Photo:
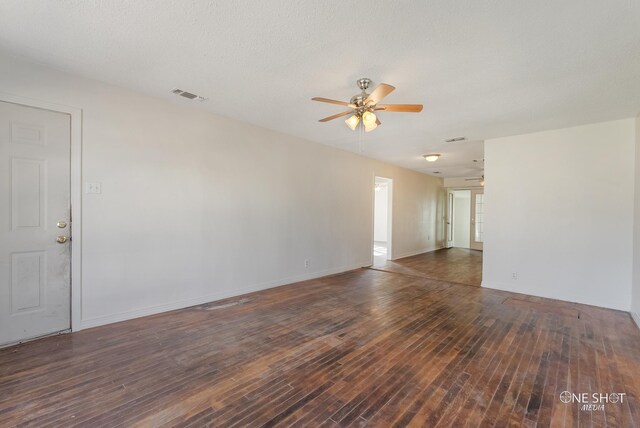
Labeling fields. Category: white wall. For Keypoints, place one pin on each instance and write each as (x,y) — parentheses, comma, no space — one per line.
(635,302)
(197,207)
(461,218)
(560,213)
(381,215)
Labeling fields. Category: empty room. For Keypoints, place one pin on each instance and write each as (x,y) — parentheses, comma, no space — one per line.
(335,213)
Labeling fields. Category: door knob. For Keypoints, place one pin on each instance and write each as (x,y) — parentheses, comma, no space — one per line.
(61,239)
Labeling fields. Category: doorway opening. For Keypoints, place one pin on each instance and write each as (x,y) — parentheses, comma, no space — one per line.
(383,196)
(465,218)
(461,218)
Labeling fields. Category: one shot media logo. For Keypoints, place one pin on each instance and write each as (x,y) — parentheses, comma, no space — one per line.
(592,401)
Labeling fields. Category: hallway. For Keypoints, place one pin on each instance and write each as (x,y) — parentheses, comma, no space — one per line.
(457,265)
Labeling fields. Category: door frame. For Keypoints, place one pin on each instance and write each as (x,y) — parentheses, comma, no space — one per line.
(473,244)
(449,217)
(389,216)
(75,194)
(448,220)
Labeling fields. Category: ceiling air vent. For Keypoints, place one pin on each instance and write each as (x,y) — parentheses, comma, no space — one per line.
(188,95)
(453,140)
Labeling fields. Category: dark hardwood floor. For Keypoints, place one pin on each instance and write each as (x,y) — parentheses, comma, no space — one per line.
(458,265)
(361,348)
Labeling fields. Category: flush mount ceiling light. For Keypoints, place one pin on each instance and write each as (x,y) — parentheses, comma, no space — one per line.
(365,104)
(432,157)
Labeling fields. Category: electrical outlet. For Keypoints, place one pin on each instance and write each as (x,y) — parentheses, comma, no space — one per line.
(514,275)
(94,188)
(307,263)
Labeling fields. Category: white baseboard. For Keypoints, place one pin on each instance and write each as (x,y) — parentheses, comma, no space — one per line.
(415,253)
(30,339)
(636,317)
(180,304)
(504,287)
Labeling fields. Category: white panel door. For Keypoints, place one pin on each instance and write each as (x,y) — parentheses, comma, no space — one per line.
(35,289)
(477,219)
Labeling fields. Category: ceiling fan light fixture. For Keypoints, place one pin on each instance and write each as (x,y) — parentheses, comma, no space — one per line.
(369,118)
(368,127)
(431,157)
(352,122)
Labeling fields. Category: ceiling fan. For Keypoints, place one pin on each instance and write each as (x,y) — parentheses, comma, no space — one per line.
(363,106)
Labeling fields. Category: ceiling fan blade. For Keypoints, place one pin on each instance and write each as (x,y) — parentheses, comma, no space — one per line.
(335,116)
(379,93)
(405,108)
(330,101)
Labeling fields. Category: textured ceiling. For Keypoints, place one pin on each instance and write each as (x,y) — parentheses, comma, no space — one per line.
(482,68)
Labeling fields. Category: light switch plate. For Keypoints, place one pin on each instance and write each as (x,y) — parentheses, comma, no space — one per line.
(94,188)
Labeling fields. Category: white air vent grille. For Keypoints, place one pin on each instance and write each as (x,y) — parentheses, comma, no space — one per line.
(188,95)
(453,140)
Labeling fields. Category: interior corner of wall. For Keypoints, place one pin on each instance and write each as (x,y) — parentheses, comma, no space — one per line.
(636,318)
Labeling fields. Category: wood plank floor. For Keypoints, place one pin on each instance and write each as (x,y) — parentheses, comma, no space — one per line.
(459,265)
(361,348)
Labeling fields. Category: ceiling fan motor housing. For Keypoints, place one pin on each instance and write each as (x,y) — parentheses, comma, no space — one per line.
(358,100)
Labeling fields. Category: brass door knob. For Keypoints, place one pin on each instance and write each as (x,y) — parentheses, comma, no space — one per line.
(61,239)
